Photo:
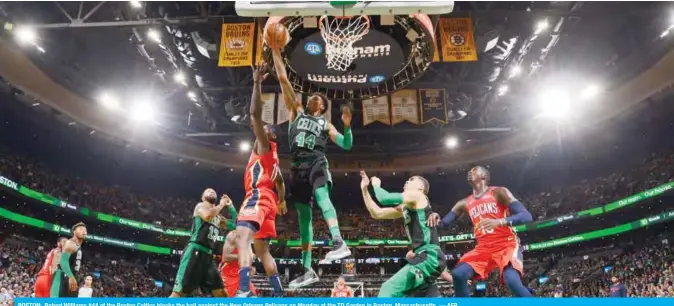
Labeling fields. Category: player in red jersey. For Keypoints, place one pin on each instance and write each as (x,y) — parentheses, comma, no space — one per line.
(229,267)
(493,211)
(44,277)
(341,290)
(257,217)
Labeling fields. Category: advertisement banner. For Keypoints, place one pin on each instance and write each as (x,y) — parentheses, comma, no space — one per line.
(8,183)
(236,45)
(268,102)
(404,106)
(376,110)
(433,106)
(458,43)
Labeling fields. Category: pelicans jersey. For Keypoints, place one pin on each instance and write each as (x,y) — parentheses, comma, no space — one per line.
(342,292)
(259,205)
(44,279)
(496,248)
(229,271)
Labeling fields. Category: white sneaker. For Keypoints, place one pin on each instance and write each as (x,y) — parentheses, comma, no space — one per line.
(309,277)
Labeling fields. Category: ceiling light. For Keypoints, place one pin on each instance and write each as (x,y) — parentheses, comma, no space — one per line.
(452,142)
(154,35)
(192,95)
(541,26)
(136,4)
(26,35)
(555,104)
(502,90)
(590,92)
(244,146)
(515,71)
(109,101)
(143,111)
(179,77)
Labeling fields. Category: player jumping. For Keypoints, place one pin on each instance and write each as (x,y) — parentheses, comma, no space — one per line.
(44,277)
(428,262)
(309,174)
(197,269)
(493,210)
(229,267)
(341,290)
(64,283)
(257,216)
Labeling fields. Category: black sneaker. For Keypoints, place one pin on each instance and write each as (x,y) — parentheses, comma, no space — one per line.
(339,250)
(309,277)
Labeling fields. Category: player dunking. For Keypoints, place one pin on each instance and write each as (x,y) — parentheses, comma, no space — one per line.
(257,216)
(197,269)
(427,262)
(64,283)
(493,210)
(341,290)
(309,174)
(229,267)
(44,277)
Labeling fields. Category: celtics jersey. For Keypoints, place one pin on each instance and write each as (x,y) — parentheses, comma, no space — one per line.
(418,232)
(75,261)
(308,136)
(205,233)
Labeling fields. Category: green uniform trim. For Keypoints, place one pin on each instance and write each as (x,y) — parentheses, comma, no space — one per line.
(425,268)
(386,198)
(231,222)
(65,264)
(344,141)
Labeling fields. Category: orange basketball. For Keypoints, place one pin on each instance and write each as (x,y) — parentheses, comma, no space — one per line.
(276,36)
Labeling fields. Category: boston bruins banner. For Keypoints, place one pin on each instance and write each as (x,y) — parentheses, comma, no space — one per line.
(458,43)
(268,100)
(282,113)
(404,106)
(376,110)
(236,45)
(433,106)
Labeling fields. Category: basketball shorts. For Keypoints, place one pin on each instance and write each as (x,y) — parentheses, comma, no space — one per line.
(260,209)
(420,272)
(42,285)
(60,287)
(485,258)
(428,290)
(197,270)
(305,178)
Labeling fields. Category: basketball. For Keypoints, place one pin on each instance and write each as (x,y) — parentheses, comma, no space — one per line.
(276,36)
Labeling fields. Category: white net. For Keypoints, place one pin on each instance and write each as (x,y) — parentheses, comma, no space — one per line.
(339,34)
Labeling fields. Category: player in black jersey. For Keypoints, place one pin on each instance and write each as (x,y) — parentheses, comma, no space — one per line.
(310,177)
(197,268)
(64,283)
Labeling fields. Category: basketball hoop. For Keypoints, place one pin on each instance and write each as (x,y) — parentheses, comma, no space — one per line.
(339,34)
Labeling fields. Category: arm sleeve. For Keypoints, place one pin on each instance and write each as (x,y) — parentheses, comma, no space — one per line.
(231,221)
(345,141)
(520,214)
(65,264)
(385,198)
(447,219)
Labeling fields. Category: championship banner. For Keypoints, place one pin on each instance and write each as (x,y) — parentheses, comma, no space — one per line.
(258,45)
(268,100)
(376,110)
(458,44)
(282,114)
(236,45)
(433,106)
(404,106)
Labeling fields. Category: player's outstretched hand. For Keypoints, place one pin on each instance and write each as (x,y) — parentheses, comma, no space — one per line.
(260,72)
(364,180)
(346,115)
(433,220)
(225,200)
(376,182)
(489,224)
(282,209)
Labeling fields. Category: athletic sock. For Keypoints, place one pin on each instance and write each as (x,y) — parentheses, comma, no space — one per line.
(306,260)
(323,200)
(275,282)
(244,279)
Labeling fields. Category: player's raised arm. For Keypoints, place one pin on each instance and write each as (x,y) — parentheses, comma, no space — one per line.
(206,213)
(344,141)
(375,211)
(69,248)
(456,212)
(261,141)
(228,248)
(287,90)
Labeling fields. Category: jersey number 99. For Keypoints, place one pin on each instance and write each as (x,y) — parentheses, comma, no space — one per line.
(304,141)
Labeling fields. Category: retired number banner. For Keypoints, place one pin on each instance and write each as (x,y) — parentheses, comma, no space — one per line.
(236,45)
(433,106)
(458,44)
(376,110)
(404,106)
(268,100)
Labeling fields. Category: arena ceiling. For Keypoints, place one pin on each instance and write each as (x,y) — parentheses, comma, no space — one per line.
(524,48)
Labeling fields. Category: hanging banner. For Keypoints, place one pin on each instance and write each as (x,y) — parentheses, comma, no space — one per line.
(282,113)
(436,53)
(433,106)
(404,106)
(268,102)
(258,45)
(236,45)
(458,43)
(376,110)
